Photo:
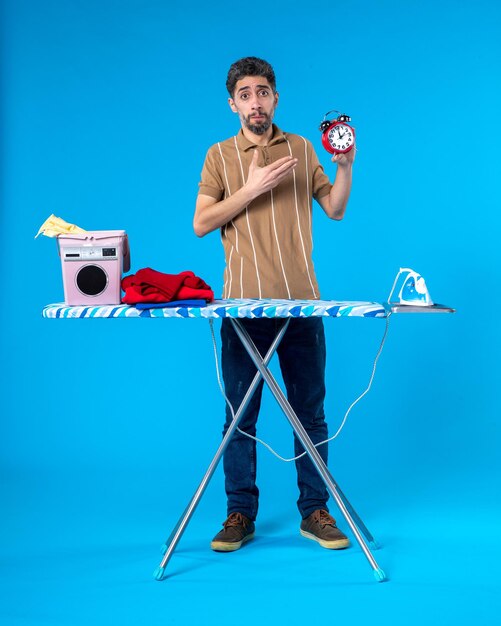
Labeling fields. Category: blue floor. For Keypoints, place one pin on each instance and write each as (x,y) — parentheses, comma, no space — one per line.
(81,549)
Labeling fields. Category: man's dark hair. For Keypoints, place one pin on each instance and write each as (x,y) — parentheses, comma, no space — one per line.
(249,66)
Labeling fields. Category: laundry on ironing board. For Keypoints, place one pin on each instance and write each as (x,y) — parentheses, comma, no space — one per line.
(150,286)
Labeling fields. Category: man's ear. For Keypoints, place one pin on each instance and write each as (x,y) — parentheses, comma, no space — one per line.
(232,105)
(276,98)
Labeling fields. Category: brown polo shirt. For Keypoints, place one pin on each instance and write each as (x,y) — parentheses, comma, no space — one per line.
(268,245)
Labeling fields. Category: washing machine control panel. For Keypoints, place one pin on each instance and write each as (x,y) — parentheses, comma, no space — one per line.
(90,253)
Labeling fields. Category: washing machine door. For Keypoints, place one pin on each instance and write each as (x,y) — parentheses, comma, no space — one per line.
(91,280)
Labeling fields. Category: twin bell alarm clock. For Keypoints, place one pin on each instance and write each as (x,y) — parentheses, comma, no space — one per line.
(337,136)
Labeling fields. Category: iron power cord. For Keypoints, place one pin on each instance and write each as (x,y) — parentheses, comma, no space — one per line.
(336,434)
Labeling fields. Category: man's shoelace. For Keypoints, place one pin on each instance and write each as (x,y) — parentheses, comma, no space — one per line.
(323,518)
(235,519)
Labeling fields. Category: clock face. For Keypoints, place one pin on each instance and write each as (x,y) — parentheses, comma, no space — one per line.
(341,137)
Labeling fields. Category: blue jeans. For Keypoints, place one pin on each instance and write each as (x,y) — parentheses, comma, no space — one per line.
(302,362)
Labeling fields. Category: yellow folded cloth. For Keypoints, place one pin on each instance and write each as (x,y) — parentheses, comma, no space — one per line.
(54,226)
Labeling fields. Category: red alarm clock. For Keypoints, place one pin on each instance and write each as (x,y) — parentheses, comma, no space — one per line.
(337,136)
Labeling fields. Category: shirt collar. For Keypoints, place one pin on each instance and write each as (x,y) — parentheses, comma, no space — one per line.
(245,144)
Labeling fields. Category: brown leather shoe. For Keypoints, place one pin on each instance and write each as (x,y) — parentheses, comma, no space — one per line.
(321,527)
(237,529)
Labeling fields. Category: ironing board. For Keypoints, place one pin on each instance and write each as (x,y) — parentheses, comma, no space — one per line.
(235,310)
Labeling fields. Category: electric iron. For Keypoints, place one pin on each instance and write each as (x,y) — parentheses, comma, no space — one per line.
(410,288)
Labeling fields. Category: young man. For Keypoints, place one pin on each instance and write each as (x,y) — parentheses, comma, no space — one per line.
(257,187)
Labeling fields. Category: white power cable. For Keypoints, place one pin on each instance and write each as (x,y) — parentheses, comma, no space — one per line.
(295,458)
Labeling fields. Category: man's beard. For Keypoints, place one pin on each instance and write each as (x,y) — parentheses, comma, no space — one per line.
(261,127)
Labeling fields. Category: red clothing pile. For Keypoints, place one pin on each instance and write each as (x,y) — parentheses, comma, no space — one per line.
(148,285)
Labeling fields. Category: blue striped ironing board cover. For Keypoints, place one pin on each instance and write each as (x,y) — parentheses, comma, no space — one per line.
(245,308)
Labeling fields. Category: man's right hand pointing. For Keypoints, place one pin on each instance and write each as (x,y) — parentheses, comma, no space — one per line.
(262,179)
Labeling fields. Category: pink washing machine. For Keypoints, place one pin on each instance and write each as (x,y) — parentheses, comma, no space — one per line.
(92,264)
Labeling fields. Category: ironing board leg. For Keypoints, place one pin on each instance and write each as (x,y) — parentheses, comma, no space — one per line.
(306,442)
(361,526)
(171,543)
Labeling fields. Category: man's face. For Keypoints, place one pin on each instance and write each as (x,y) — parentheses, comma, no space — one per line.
(255,103)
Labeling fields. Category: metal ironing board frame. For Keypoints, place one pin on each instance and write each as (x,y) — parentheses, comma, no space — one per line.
(251,309)
(355,523)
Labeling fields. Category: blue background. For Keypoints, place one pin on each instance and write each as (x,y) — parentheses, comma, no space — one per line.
(107,426)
